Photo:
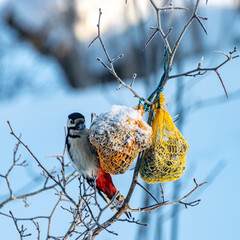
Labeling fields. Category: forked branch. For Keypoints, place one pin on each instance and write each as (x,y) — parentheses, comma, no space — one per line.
(41,166)
(111,68)
(159,205)
(199,70)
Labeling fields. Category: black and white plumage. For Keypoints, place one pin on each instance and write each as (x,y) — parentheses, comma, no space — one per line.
(82,153)
(84,158)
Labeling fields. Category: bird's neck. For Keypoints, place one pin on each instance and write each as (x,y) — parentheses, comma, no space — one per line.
(73,133)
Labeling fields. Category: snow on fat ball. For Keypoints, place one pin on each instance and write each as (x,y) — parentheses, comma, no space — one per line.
(119,135)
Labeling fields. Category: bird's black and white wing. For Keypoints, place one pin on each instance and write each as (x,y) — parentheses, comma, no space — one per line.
(92,148)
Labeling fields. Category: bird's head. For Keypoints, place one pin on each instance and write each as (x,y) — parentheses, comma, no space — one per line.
(76,121)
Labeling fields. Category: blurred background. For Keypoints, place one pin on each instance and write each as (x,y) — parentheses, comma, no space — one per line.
(47,71)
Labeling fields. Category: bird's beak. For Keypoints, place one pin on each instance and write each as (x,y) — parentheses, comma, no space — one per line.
(81,126)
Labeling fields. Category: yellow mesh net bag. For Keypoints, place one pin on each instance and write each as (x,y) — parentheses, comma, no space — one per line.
(166,158)
(119,136)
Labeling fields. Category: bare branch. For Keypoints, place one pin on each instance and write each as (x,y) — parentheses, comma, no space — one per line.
(181,35)
(159,28)
(200,22)
(38,229)
(219,76)
(201,71)
(111,68)
(162,192)
(133,79)
(172,55)
(151,38)
(201,62)
(20,231)
(147,192)
(132,221)
(118,57)
(51,215)
(27,195)
(41,166)
(156,206)
(223,53)
(191,204)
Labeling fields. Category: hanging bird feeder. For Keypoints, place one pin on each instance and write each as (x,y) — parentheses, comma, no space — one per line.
(165,159)
(119,136)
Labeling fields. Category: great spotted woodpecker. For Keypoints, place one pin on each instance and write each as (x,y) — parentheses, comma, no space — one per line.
(84,158)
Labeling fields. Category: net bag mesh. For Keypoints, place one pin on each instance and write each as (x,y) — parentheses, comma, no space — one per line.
(165,159)
(119,136)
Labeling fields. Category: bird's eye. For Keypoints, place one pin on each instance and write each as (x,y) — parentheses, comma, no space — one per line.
(71,121)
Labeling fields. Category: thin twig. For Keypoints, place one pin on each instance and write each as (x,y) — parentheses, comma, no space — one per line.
(147,191)
(40,165)
(156,206)
(132,221)
(201,71)
(20,231)
(38,229)
(111,68)
(51,216)
(162,192)
(27,195)
(159,28)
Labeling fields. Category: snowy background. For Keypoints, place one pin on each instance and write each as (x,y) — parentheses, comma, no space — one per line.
(39,111)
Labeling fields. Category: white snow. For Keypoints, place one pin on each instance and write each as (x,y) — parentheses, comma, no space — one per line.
(121,122)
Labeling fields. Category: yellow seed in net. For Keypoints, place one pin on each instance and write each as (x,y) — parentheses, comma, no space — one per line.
(165,160)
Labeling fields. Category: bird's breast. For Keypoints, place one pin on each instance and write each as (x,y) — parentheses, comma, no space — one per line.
(81,157)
